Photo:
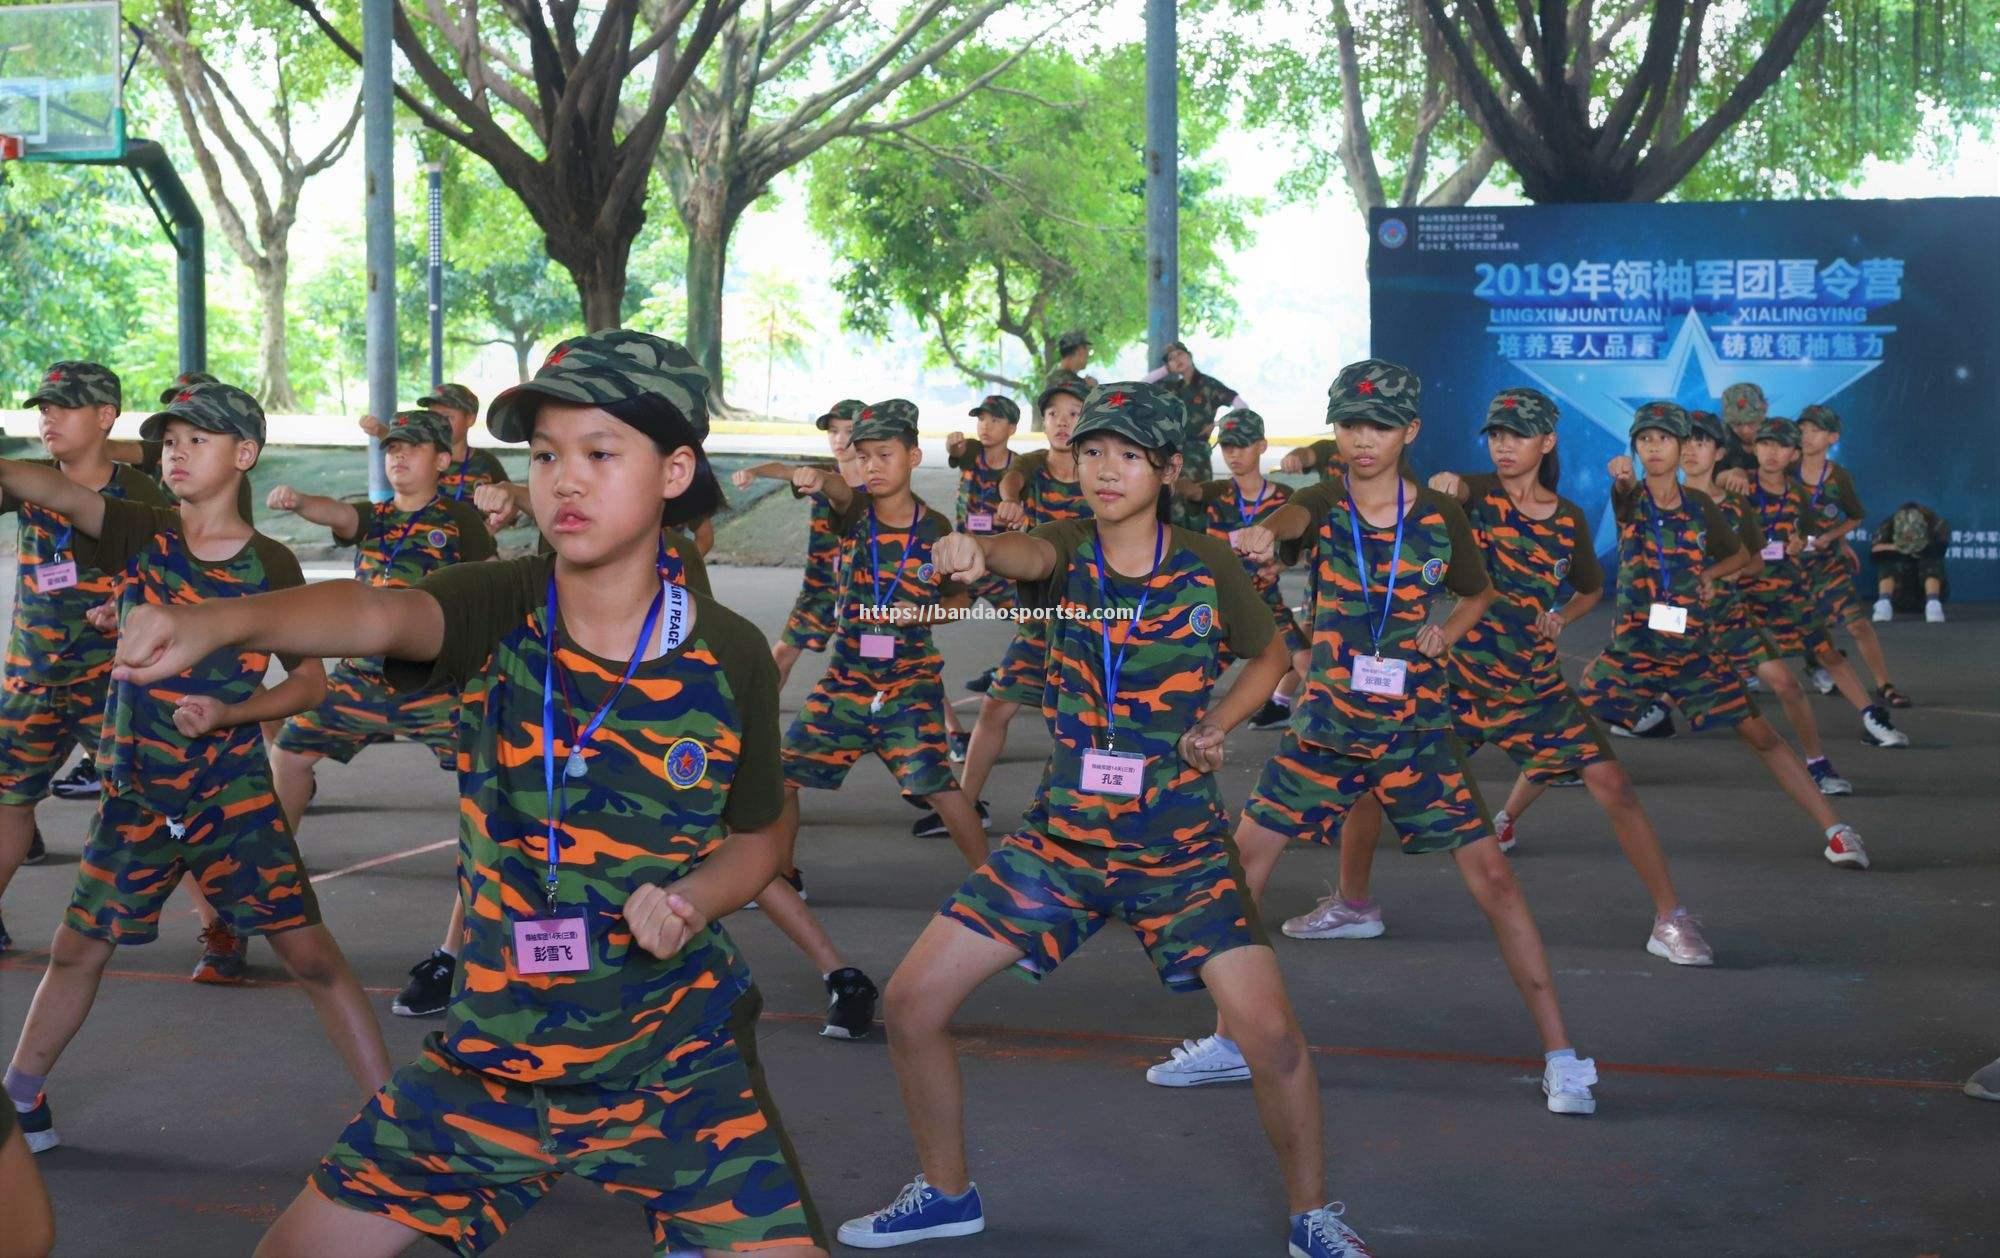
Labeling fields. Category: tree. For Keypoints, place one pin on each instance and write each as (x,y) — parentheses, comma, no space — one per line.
(500,287)
(1023,214)
(565,85)
(777,328)
(765,107)
(199,49)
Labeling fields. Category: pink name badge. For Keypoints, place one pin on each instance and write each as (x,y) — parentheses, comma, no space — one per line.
(50,577)
(551,945)
(1666,618)
(1380,675)
(1772,551)
(878,646)
(979,522)
(1114,772)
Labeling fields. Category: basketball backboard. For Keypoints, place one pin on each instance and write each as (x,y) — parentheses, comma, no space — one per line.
(61,87)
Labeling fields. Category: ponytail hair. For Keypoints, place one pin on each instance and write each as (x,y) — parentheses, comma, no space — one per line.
(1549,472)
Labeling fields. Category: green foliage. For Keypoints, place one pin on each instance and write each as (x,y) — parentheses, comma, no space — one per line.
(1022,211)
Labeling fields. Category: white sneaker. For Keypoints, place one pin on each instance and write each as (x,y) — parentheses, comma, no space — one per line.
(1822,681)
(1878,731)
(1209,1059)
(1679,940)
(1985,1086)
(1843,847)
(1884,611)
(1335,918)
(1934,612)
(1566,1082)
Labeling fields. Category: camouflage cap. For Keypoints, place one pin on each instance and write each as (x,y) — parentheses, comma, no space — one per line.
(1070,342)
(1707,424)
(1663,417)
(77,384)
(1240,427)
(1145,414)
(1824,418)
(182,381)
(1171,347)
(417,427)
(1779,429)
(846,408)
(1528,412)
(885,421)
(999,407)
(1062,382)
(604,367)
(211,407)
(1373,392)
(1743,403)
(454,396)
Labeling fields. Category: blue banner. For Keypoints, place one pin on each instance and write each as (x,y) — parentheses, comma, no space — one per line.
(1887,311)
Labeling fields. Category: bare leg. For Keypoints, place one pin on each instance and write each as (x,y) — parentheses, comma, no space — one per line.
(1288,685)
(955,809)
(292,779)
(1611,787)
(789,914)
(951,725)
(313,1227)
(1250,994)
(989,740)
(1490,878)
(17,835)
(944,966)
(1779,681)
(1845,679)
(1257,848)
(1864,637)
(31,1222)
(1787,769)
(454,929)
(1360,834)
(315,960)
(1933,587)
(1522,796)
(62,999)
(202,907)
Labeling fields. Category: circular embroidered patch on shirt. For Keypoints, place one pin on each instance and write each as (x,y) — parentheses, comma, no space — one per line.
(1201,618)
(438,537)
(1433,571)
(925,571)
(1562,569)
(687,761)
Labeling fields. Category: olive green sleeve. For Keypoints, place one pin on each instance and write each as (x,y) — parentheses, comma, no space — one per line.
(1465,575)
(1316,501)
(757,791)
(694,572)
(486,463)
(1246,617)
(364,519)
(1326,455)
(1722,540)
(1848,498)
(1478,484)
(1586,575)
(1026,467)
(139,487)
(1065,536)
(128,526)
(481,603)
(281,572)
(1214,491)
(1749,527)
(967,455)
(474,542)
(9,504)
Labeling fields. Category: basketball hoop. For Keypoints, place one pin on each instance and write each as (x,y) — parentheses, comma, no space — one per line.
(10,147)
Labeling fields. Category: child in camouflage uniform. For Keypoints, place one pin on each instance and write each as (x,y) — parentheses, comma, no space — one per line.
(1374,718)
(58,666)
(187,790)
(466,470)
(1246,497)
(1507,686)
(1674,544)
(1834,511)
(1128,823)
(619,759)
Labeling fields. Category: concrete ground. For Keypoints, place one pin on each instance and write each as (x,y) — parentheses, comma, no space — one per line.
(1801,1097)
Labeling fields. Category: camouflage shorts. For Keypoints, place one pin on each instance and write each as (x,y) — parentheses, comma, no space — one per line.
(236,846)
(1747,646)
(39,727)
(460,1156)
(361,711)
(839,724)
(811,622)
(1834,599)
(1547,738)
(1420,780)
(1184,902)
(1706,688)
(1791,622)
(1024,667)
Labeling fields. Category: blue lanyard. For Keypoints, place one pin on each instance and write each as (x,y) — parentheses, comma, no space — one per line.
(1249,516)
(389,563)
(555,797)
(63,539)
(1114,666)
(875,554)
(1820,488)
(1660,544)
(1764,517)
(459,494)
(1375,630)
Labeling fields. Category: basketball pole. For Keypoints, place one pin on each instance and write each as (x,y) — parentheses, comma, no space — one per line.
(378,155)
(1163,248)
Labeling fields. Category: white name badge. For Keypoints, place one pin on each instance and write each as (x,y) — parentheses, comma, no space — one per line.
(979,522)
(1381,675)
(1114,772)
(50,577)
(1772,551)
(878,646)
(551,945)
(1666,618)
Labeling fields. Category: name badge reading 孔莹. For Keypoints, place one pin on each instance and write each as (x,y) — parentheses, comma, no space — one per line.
(1381,675)
(878,646)
(1666,618)
(1113,772)
(1772,551)
(979,522)
(551,945)
(50,577)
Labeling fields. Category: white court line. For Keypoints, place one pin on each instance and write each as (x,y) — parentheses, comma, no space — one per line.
(373,861)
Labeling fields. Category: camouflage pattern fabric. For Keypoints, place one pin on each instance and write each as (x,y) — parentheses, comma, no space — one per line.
(75,385)
(1070,342)
(1529,561)
(1744,403)
(461,1156)
(1740,638)
(1327,463)
(895,418)
(1023,670)
(604,367)
(979,493)
(1418,777)
(454,397)
(1374,391)
(211,407)
(1142,413)
(686,754)
(1823,417)
(1227,510)
(419,428)
(1660,417)
(1202,397)
(1550,738)
(1240,427)
(1831,502)
(999,406)
(478,467)
(815,608)
(840,722)
(1780,599)
(1439,556)
(1525,412)
(182,381)
(39,727)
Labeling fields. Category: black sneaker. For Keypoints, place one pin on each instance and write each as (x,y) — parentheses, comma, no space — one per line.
(1273,715)
(38,851)
(798,881)
(932,826)
(1655,722)
(6,940)
(984,682)
(429,989)
(960,744)
(850,1006)
(81,783)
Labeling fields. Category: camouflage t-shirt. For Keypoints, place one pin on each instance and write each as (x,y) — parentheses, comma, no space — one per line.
(1730,608)
(822,543)
(398,549)
(680,560)
(1203,396)
(1693,533)
(478,467)
(1199,598)
(1830,502)
(687,753)
(895,568)
(141,753)
(1779,517)
(978,484)
(1327,462)
(1045,498)
(1228,510)
(1438,556)
(51,643)
(1502,656)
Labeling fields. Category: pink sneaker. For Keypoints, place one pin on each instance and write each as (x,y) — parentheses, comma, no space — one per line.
(1335,918)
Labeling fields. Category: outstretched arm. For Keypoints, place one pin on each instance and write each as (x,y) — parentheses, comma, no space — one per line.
(965,558)
(334,618)
(48,487)
(332,513)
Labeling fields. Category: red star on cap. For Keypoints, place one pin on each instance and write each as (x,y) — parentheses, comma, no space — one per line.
(1509,403)
(54,377)
(1365,386)
(185,395)
(1117,399)
(561,352)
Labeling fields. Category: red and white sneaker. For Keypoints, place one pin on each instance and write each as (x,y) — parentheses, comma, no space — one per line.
(1843,847)
(1503,829)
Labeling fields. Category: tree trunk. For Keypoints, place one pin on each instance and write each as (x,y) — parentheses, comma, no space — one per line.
(275,388)
(523,346)
(707,255)
(600,282)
